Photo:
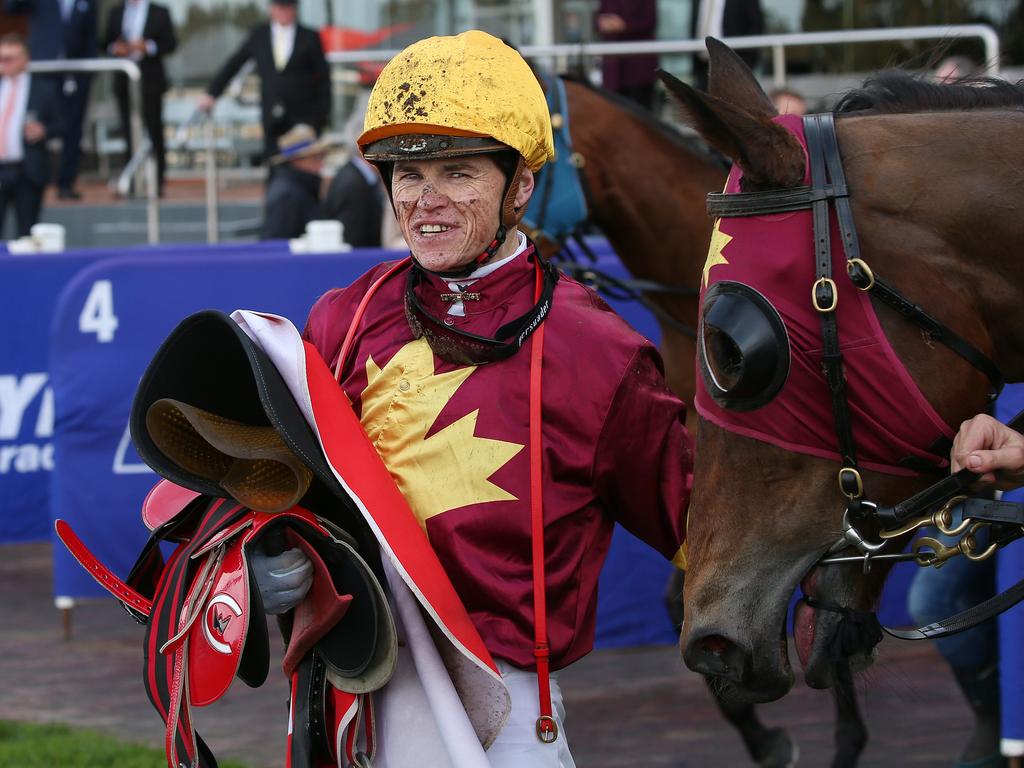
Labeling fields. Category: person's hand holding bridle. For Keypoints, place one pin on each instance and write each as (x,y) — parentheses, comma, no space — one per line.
(990,448)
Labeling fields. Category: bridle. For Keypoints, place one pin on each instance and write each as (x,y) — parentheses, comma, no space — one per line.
(936,504)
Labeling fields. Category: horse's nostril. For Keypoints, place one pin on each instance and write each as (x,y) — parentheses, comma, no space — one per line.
(715,644)
(715,655)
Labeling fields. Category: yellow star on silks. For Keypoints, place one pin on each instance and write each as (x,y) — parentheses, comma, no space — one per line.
(447,469)
(718,241)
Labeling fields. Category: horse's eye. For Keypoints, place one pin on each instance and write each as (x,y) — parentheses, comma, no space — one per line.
(724,359)
(744,348)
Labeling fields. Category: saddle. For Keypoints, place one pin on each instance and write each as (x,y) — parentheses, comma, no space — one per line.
(213,416)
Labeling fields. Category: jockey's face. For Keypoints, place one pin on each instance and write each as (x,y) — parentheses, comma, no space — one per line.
(449,208)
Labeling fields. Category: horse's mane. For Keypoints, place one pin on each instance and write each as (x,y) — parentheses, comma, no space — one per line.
(897,91)
(690,142)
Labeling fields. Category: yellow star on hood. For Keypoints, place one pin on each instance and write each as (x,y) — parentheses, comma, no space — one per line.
(450,468)
(718,241)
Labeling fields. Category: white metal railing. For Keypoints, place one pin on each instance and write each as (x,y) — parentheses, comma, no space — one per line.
(778,44)
(131,70)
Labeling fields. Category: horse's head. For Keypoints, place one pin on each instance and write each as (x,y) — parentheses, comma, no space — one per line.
(934,184)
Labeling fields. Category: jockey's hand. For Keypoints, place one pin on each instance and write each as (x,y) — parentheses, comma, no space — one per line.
(991,449)
(283,579)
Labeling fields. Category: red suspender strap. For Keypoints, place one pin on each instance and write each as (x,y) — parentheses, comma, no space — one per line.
(547,728)
(350,336)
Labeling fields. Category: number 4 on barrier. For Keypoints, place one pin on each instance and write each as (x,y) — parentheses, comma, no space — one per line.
(98,312)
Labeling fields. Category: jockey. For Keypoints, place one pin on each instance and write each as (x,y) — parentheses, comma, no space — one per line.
(503,397)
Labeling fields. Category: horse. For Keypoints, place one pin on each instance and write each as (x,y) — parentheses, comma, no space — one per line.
(644,184)
(645,190)
(929,209)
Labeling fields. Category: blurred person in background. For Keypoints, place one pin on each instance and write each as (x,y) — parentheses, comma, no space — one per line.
(619,21)
(295,82)
(64,30)
(30,111)
(356,195)
(293,192)
(724,18)
(142,31)
(953,69)
(788,101)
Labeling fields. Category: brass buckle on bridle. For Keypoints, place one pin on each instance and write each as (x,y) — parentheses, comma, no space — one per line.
(547,729)
(829,283)
(851,474)
(858,269)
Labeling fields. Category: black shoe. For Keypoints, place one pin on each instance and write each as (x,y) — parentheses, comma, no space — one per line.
(67,193)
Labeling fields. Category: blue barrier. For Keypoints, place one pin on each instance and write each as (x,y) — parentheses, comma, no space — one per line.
(29,290)
(1010,570)
(110,320)
(29,287)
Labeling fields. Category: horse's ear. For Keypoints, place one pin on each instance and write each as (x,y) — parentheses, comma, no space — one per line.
(730,79)
(769,155)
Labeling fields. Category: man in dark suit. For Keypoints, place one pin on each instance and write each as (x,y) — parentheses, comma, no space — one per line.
(30,111)
(64,29)
(355,197)
(724,18)
(142,31)
(293,192)
(295,83)
(619,21)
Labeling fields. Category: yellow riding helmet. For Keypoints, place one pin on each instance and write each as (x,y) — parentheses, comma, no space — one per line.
(447,96)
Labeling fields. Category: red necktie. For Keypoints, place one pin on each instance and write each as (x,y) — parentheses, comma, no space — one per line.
(6,114)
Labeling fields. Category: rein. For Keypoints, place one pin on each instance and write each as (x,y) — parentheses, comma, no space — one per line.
(629,289)
(828,186)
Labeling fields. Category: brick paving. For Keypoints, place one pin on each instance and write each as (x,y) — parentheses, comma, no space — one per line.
(635,707)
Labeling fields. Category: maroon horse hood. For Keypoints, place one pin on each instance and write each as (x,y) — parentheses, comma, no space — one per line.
(769,261)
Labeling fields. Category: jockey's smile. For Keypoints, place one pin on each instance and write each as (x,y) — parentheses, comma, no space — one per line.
(448,208)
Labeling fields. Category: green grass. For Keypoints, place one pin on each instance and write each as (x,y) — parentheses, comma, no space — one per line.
(57,746)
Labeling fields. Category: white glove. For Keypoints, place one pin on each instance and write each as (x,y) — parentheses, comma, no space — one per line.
(283,579)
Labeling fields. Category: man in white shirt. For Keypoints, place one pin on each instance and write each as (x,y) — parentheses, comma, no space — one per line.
(29,112)
(295,83)
(142,31)
(63,30)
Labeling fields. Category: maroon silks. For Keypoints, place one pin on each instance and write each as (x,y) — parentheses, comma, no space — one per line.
(615,447)
(892,421)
